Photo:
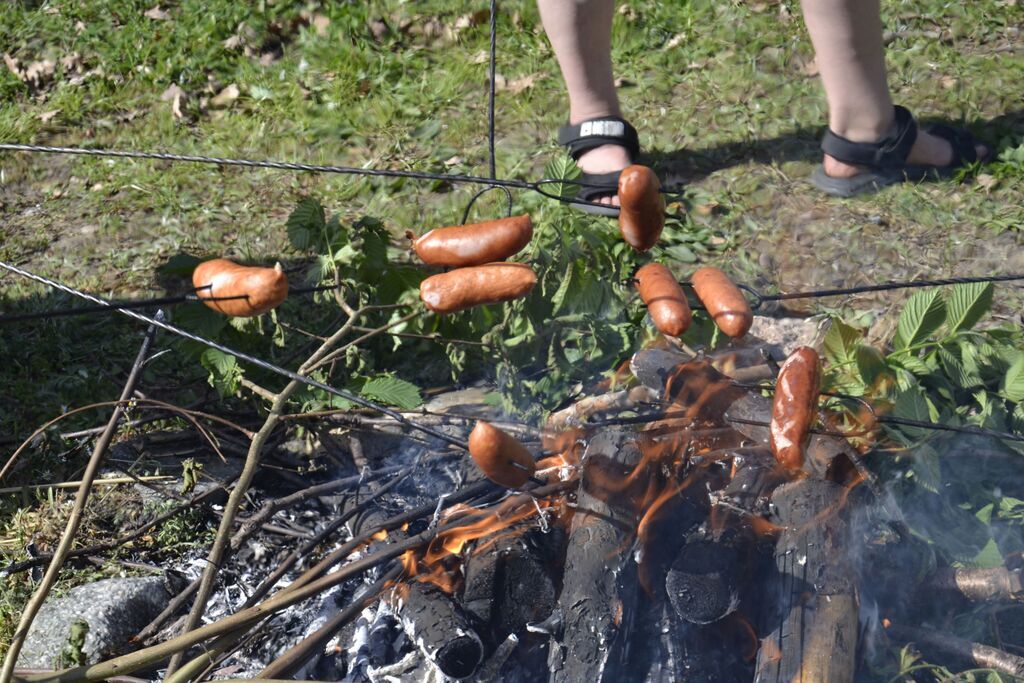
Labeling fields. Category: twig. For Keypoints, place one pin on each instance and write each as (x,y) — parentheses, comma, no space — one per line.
(324,360)
(188,414)
(74,521)
(111,481)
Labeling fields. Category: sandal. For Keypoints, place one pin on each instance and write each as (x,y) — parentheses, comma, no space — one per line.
(887,159)
(586,135)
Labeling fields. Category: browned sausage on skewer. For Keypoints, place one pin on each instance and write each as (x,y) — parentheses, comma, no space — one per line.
(500,457)
(641,207)
(459,246)
(263,288)
(666,302)
(467,287)
(795,406)
(723,300)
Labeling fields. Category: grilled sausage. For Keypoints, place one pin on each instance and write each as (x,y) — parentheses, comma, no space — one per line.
(641,207)
(665,299)
(467,287)
(724,301)
(795,406)
(263,288)
(458,246)
(500,457)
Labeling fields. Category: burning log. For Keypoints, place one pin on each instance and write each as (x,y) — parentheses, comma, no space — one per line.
(704,582)
(815,624)
(961,652)
(441,630)
(599,588)
(510,584)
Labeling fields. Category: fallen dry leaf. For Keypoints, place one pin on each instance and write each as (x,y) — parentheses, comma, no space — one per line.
(79,26)
(47,116)
(481,57)
(624,83)
(39,72)
(949,82)
(675,41)
(379,28)
(517,85)
(12,65)
(156,14)
(72,62)
(232,42)
(320,24)
(225,97)
(472,19)
(987,182)
(174,95)
(810,68)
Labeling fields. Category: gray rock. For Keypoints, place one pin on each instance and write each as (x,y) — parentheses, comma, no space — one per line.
(782,335)
(115,609)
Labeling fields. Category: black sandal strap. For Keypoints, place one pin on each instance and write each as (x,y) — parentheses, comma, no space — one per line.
(606,130)
(962,142)
(598,184)
(889,152)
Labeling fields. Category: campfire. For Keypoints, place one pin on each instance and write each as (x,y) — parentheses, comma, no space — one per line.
(658,538)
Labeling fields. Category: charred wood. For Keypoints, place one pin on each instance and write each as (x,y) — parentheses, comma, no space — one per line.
(441,630)
(599,588)
(704,583)
(510,584)
(813,629)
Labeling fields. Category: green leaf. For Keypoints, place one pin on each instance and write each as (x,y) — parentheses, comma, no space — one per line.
(225,373)
(681,253)
(562,167)
(841,342)
(926,468)
(963,376)
(870,364)
(966,303)
(558,298)
(989,556)
(1013,383)
(911,404)
(923,314)
(993,677)
(306,223)
(393,391)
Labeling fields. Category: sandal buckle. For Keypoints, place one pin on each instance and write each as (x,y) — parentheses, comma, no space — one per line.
(612,129)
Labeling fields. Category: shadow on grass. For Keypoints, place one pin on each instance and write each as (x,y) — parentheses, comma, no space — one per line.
(801,144)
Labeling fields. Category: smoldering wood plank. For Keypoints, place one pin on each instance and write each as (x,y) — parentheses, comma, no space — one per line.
(599,586)
(813,629)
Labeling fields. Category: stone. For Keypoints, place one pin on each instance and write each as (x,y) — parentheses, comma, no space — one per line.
(114,609)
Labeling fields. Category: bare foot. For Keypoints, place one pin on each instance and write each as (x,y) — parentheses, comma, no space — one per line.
(928,150)
(604,159)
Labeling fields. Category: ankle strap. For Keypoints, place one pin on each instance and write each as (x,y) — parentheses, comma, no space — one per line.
(889,152)
(605,130)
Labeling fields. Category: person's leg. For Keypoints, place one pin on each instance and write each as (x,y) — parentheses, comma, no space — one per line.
(580,32)
(847,38)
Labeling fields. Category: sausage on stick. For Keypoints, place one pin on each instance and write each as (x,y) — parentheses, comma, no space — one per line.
(795,406)
(465,288)
(459,246)
(262,288)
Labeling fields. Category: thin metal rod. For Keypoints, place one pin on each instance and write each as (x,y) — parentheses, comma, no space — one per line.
(887,286)
(493,77)
(358,400)
(886,419)
(113,306)
(537,186)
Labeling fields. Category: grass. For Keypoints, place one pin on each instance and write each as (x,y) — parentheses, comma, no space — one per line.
(722,93)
